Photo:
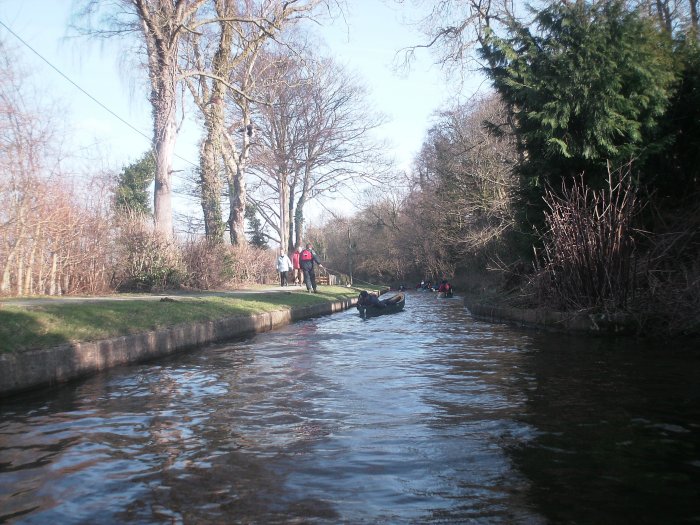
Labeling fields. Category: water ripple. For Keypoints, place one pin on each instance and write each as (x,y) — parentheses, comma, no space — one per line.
(425,416)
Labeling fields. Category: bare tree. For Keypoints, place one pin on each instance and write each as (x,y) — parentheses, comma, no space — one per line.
(472,165)
(317,131)
(275,166)
(25,147)
(455,29)
(674,16)
(458,209)
(227,76)
(233,43)
(53,240)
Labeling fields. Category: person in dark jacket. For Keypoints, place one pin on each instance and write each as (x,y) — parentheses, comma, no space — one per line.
(307,258)
(369,299)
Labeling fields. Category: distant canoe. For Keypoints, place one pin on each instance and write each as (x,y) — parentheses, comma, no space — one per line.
(445,295)
(392,305)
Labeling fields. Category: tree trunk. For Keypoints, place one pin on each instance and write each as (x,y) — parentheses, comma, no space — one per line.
(162,24)
(283,190)
(214,121)
(20,273)
(53,279)
(164,136)
(237,201)
(29,278)
(235,166)
(301,202)
(350,255)
(211,187)
(664,14)
(290,213)
(5,284)
(299,221)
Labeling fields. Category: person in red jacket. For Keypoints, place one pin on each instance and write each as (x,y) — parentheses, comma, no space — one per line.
(307,258)
(445,288)
(296,267)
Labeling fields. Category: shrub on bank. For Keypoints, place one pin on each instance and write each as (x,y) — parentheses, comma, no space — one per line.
(588,257)
(146,261)
(215,265)
(594,258)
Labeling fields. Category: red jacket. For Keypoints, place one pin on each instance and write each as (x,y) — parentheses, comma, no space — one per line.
(444,287)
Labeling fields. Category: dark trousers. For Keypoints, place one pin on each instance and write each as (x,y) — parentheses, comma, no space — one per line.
(310,278)
(283,278)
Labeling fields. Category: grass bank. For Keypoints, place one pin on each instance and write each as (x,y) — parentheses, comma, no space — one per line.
(42,323)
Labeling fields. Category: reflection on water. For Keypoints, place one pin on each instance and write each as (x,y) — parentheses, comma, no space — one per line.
(424,416)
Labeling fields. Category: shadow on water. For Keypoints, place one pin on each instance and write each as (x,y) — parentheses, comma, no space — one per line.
(617,430)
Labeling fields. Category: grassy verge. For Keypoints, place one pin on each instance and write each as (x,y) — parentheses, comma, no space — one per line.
(53,323)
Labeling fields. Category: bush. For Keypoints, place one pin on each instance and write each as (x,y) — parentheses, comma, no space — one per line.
(588,255)
(207,263)
(247,264)
(213,265)
(146,261)
(670,301)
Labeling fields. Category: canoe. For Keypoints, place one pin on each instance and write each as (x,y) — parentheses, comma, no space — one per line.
(393,304)
(445,295)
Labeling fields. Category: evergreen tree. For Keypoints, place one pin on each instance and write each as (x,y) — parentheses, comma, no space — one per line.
(132,187)
(587,87)
(676,168)
(258,238)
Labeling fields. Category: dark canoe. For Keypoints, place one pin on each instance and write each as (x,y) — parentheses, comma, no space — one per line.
(393,304)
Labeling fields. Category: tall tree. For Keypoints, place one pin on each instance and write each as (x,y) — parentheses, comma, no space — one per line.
(318,132)
(53,238)
(28,138)
(467,175)
(225,57)
(161,25)
(275,166)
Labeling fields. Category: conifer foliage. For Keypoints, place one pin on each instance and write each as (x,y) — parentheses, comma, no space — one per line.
(131,194)
(588,84)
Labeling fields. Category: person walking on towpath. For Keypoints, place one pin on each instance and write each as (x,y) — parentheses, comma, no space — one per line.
(307,258)
(296,266)
(283,266)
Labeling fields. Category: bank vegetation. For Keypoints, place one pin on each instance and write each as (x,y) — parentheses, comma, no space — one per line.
(571,183)
(281,126)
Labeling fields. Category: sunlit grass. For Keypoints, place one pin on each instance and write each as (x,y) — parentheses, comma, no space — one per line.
(51,324)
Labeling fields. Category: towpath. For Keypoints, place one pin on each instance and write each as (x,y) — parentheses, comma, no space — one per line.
(44,300)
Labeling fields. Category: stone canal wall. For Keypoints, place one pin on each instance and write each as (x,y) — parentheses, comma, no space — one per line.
(550,320)
(35,369)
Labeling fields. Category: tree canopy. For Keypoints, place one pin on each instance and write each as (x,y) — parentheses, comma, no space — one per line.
(588,84)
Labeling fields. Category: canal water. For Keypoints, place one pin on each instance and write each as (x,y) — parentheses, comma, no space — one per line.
(424,416)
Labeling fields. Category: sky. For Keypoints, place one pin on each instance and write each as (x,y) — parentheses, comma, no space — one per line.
(366,40)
